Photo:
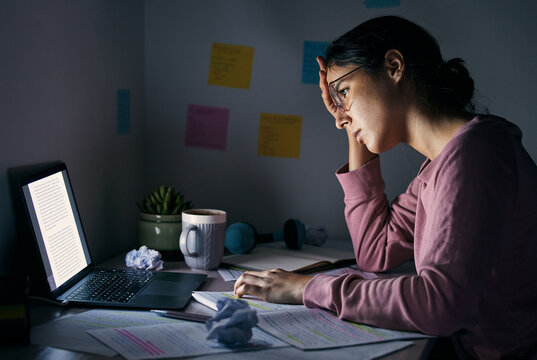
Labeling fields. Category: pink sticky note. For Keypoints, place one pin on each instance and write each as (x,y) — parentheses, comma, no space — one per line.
(206,127)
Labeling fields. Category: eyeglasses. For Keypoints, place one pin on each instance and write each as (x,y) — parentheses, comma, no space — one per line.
(338,101)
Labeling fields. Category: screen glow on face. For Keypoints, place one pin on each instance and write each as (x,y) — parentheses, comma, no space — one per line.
(333,90)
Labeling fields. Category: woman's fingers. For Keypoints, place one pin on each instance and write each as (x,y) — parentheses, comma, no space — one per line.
(325,94)
(323,84)
(273,285)
(247,289)
(251,283)
(321,62)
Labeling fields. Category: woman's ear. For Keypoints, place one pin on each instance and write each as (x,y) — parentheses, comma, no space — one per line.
(395,64)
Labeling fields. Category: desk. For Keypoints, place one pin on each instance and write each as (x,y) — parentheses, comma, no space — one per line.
(42,312)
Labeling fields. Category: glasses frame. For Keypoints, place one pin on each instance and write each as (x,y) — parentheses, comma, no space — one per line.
(332,89)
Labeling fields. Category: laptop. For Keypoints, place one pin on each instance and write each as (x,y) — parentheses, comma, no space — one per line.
(49,202)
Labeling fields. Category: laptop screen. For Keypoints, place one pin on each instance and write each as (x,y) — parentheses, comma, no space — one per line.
(56,224)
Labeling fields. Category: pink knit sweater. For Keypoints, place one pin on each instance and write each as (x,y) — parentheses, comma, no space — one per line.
(469,220)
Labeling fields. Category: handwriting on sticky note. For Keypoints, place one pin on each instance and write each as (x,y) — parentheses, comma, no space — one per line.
(231,65)
(279,135)
(206,127)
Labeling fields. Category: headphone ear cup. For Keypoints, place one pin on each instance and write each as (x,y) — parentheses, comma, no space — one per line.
(240,238)
(294,234)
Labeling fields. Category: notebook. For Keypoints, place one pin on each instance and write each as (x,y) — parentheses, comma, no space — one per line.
(71,276)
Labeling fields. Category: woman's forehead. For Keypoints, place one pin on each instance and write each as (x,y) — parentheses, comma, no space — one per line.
(334,72)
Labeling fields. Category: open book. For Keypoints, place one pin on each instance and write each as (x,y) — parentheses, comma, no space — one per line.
(277,255)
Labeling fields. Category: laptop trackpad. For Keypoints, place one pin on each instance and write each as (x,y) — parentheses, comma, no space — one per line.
(162,287)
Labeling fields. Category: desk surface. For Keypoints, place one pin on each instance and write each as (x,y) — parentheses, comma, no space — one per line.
(42,312)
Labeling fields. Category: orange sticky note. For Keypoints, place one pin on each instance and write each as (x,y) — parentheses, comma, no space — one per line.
(279,135)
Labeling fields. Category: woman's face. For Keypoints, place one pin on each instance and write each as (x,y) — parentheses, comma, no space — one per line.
(374,110)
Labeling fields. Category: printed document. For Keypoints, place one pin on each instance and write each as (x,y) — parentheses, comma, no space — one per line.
(309,329)
(176,340)
(69,332)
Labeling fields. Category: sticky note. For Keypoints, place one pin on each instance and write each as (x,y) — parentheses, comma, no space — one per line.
(231,65)
(279,135)
(381,3)
(206,127)
(310,67)
(123,111)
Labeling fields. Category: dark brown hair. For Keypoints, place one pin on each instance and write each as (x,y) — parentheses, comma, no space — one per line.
(442,86)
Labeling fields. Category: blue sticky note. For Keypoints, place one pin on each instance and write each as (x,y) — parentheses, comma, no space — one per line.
(375,4)
(310,68)
(123,111)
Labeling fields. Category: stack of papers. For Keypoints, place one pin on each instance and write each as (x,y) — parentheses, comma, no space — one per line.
(70,332)
(180,339)
(309,329)
(145,335)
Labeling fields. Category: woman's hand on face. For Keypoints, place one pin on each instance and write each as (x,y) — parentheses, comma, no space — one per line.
(323,84)
(277,285)
(342,119)
(358,153)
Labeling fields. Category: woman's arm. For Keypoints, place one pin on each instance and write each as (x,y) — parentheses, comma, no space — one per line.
(462,227)
(382,235)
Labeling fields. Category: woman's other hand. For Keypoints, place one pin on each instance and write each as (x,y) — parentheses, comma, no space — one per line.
(277,285)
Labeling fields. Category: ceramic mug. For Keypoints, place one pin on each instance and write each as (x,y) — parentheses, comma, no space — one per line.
(202,238)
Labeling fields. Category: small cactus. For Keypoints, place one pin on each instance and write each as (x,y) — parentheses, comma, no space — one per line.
(164,200)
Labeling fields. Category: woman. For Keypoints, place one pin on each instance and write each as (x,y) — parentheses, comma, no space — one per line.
(467,219)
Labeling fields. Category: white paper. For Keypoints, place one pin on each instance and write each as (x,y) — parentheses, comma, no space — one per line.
(210,298)
(230,274)
(359,352)
(319,329)
(69,332)
(173,340)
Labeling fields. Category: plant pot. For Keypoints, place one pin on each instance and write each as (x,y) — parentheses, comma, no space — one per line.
(161,233)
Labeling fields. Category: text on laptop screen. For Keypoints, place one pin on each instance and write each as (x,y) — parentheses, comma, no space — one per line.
(57,227)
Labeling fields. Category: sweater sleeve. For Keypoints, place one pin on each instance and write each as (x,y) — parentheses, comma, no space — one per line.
(473,194)
(381,234)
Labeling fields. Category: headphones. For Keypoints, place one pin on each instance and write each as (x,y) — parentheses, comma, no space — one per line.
(242,237)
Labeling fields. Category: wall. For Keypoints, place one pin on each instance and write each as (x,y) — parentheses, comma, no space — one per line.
(61,64)
(494,37)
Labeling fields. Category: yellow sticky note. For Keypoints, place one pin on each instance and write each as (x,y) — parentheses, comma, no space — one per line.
(231,65)
(279,135)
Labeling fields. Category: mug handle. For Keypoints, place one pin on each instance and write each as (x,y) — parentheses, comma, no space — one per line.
(183,245)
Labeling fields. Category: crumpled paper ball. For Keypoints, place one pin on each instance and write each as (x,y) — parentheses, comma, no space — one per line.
(233,322)
(144,259)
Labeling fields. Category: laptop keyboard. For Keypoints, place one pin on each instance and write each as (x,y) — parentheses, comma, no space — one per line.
(110,285)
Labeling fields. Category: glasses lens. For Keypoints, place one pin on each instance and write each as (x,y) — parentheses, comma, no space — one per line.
(335,96)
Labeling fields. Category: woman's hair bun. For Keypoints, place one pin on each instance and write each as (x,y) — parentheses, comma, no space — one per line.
(458,80)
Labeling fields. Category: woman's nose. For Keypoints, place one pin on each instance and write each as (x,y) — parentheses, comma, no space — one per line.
(343,120)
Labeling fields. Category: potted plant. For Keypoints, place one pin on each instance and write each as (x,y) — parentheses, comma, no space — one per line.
(159,226)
